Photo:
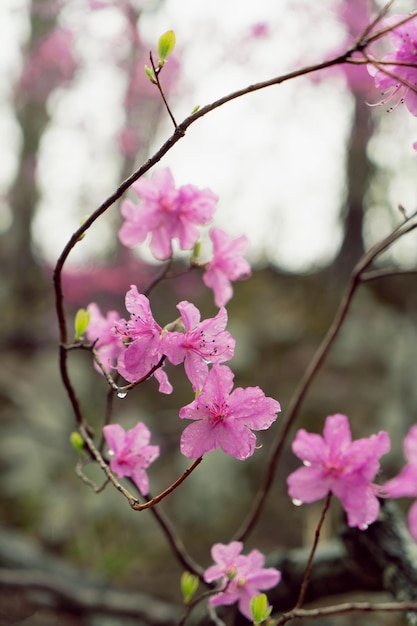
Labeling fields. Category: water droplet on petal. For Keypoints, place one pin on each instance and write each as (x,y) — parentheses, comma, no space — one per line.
(111,453)
(297,502)
(307,463)
(121,394)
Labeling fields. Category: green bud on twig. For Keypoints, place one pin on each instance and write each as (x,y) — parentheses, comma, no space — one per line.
(260,608)
(188,584)
(81,322)
(166,44)
(77,441)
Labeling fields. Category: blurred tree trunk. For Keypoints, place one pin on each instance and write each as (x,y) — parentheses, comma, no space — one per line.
(359,171)
(23,294)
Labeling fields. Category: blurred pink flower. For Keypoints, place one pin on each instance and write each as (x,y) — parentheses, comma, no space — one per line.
(334,463)
(144,351)
(405,484)
(130,453)
(166,213)
(226,418)
(52,64)
(227,264)
(200,343)
(109,346)
(402,65)
(241,577)
(354,15)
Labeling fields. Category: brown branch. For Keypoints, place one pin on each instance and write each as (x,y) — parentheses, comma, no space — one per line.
(307,573)
(386,273)
(380,33)
(399,79)
(348,607)
(150,503)
(176,544)
(364,36)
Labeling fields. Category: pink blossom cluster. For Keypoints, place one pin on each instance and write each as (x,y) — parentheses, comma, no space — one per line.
(396,74)
(241,577)
(167,213)
(336,464)
(221,417)
(197,343)
(139,347)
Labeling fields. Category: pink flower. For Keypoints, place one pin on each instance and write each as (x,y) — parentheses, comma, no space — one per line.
(224,419)
(405,484)
(166,213)
(108,345)
(227,264)
(334,463)
(130,453)
(404,40)
(200,343)
(144,351)
(241,577)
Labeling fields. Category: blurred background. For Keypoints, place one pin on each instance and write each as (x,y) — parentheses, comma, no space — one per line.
(307,170)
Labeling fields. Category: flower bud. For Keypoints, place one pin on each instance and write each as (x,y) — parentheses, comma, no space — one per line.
(76,441)
(81,322)
(188,584)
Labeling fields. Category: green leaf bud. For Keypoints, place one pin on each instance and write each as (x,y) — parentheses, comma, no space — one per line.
(81,322)
(188,584)
(260,608)
(166,44)
(76,441)
(195,253)
(150,74)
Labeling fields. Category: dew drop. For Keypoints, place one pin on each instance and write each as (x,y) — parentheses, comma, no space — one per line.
(121,394)
(297,502)
(307,463)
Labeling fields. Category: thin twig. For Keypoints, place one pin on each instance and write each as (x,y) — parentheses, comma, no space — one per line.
(396,77)
(79,472)
(386,273)
(380,33)
(175,542)
(347,607)
(156,72)
(364,36)
(307,573)
(153,369)
(159,278)
(150,503)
